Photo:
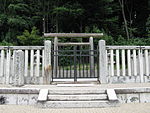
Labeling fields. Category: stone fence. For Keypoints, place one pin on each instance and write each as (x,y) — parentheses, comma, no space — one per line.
(124,64)
(21,65)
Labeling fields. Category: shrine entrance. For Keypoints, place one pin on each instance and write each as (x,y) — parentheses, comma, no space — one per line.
(75,60)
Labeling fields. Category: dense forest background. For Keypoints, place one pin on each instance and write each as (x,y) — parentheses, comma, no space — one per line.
(22,22)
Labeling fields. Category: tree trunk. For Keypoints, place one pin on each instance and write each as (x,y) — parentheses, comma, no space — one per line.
(44,24)
(56,23)
(124,18)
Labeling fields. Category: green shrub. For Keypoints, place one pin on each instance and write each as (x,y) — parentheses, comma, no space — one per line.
(30,38)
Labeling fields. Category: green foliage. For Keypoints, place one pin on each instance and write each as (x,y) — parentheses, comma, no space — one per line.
(60,10)
(69,9)
(30,38)
(19,7)
(3,19)
(92,16)
(109,39)
(17,22)
(121,41)
(134,41)
(4,43)
(148,26)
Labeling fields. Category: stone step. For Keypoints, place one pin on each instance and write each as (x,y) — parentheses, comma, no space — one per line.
(76,92)
(75,85)
(78,104)
(77,97)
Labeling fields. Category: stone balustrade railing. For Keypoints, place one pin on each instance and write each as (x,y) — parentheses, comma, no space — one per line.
(32,64)
(29,61)
(125,63)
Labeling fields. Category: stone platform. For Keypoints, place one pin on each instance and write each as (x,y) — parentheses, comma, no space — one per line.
(28,95)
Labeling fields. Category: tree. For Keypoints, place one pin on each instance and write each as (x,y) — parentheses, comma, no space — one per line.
(124,18)
(30,38)
(113,17)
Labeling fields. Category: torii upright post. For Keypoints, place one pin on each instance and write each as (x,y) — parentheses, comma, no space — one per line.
(91,56)
(55,55)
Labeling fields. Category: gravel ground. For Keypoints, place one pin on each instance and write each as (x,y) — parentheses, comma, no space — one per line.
(124,108)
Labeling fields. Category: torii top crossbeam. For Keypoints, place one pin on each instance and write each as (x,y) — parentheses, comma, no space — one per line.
(69,35)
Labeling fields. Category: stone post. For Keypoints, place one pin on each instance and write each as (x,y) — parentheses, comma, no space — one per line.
(18,74)
(141,66)
(8,59)
(102,62)
(47,63)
